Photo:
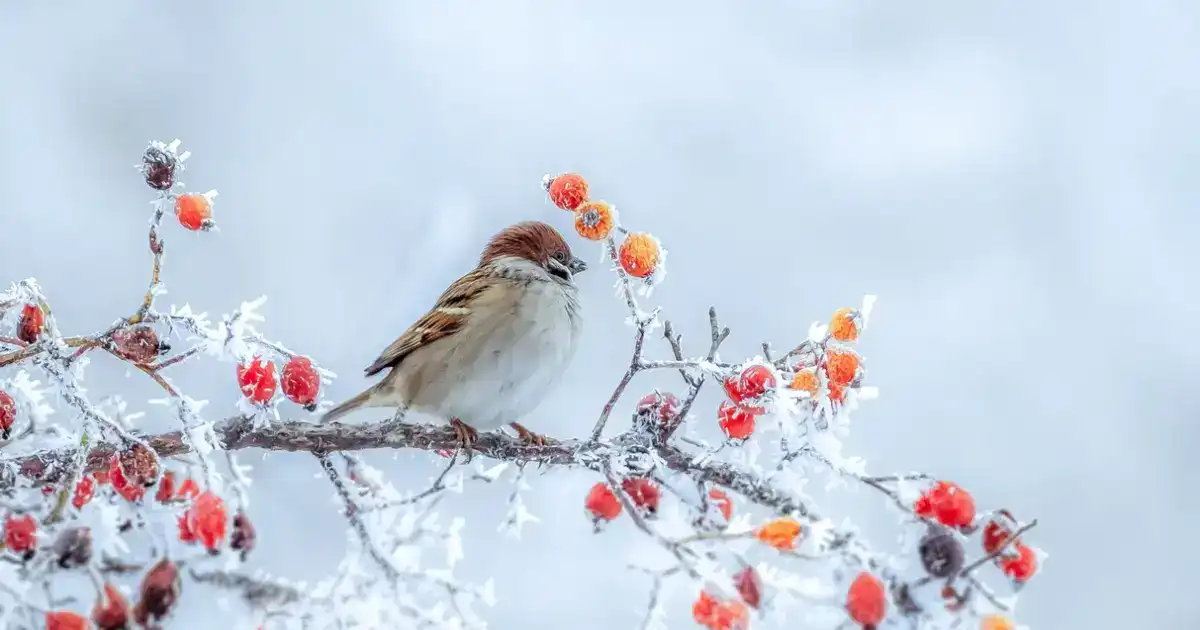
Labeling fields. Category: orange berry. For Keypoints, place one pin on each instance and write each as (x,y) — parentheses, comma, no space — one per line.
(640,253)
(837,393)
(996,622)
(841,366)
(715,614)
(843,326)
(595,220)
(602,504)
(866,600)
(568,191)
(722,502)
(805,381)
(194,211)
(780,533)
(736,422)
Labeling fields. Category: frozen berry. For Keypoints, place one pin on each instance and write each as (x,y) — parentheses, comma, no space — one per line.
(194,211)
(735,422)
(640,254)
(595,220)
(643,492)
(20,534)
(139,344)
(780,533)
(31,324)
(207,520)
(602,504)
(243,537)
(657,409)
(567,191)
(158,593)
(257,380)
(73,548)
(111,611)
(841,366)
(301,383)
(866,601)
(843,326)
(66,620)
(749,586)
(158,167)
(8,414)
(941,553)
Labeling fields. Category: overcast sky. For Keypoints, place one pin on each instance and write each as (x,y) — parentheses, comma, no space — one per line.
(1011,178)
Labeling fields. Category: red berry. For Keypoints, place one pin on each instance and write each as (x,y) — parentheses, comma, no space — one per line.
(31,324)
(166,488)
(866,601)
(658,408)
(66,620)
(111,611)
(736,422)
(188,489)
(749,586)
(716,614)
(721,501)
(947,503)
(750,387)
(185,530)
(602,504)
(208,520)
(1021,566)
(83,492)
(568,191)
(643,493)
(194,211)
(8,414)
(995,534)
(127,489)
(301,382)
(257,380)
(159,592)
(20,534)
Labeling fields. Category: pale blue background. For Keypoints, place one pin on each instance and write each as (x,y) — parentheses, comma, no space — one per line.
(1012,178)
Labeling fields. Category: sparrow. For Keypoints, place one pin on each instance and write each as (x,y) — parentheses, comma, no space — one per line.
(493,346)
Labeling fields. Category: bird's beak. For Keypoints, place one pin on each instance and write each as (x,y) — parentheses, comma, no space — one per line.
(577,266)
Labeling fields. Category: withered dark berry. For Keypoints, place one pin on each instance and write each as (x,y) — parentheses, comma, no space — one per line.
(74,548)
(158,166)
(941,553)
(244,536)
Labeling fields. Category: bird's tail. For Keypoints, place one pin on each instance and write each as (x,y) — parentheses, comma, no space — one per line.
(359,401)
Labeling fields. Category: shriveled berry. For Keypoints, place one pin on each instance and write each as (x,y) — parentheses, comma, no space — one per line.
(73,548)
(805,380)
(749,586)
(194,211)
(941,553)
(997,531)
(736,422)
(31,324)
(244,536)
(138,344)
(158,593)
(257,380)
(158,167)
(8,414)
(301,383)
(139,465)
(111,611)
(717,614)
(602,504)
(568,190)
(643,492)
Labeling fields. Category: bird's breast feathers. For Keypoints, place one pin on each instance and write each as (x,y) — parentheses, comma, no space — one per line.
(512,351)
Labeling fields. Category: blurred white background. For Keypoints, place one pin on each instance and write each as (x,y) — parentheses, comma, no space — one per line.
(1011,178)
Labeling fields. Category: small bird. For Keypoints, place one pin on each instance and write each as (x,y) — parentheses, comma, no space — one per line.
(495,344)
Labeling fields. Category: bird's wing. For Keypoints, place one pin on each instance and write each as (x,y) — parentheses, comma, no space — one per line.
(445,318)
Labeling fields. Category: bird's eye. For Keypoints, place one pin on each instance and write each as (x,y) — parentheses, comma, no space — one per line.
(561,256)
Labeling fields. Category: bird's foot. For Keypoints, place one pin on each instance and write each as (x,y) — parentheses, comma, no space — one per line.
(466,435)
(529,437)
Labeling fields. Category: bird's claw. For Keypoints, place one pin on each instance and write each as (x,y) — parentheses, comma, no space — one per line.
(530,438)
(465,435)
